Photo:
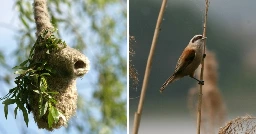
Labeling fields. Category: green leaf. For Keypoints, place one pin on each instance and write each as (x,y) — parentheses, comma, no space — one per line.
(52,100)
(23,63)
(47,52)
(23,68)
(39,68)
(56,114)
(5,110)
(15,111)
(13,89)
(25,114)
(43,84)
(36,91)
(40,104)
(43,109)
(24,22)
(9,101)
(53,93)
(20,71)
(45,74)
(48,68)
(50,119)
(31,53)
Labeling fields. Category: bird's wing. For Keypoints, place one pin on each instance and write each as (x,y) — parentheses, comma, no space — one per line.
(185,59)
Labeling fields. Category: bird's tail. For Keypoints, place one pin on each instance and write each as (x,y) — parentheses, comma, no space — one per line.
(168,81)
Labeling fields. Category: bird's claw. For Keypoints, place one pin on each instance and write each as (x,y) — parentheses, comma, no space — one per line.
(201,82)
(204,55)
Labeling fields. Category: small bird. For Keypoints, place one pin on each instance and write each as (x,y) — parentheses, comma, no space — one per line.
(189,61)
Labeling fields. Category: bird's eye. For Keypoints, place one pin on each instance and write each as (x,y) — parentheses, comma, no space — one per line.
(197,38)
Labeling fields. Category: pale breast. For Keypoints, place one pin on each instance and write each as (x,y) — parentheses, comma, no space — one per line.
(190,69)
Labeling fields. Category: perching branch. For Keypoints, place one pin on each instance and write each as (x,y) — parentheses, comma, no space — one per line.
(202,70)
(137,115)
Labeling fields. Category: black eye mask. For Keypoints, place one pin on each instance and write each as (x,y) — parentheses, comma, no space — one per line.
(197,38)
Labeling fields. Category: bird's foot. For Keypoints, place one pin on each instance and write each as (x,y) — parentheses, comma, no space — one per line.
(204,55)
(201,82)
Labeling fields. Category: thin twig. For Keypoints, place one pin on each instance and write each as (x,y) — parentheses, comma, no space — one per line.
(137,116)
(202,71)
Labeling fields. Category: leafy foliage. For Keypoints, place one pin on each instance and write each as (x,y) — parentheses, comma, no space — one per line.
(33,78)
(99,29)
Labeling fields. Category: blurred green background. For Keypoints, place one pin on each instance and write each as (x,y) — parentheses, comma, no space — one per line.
(231,31)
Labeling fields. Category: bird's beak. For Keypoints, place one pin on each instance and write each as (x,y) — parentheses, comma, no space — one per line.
(204,38)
